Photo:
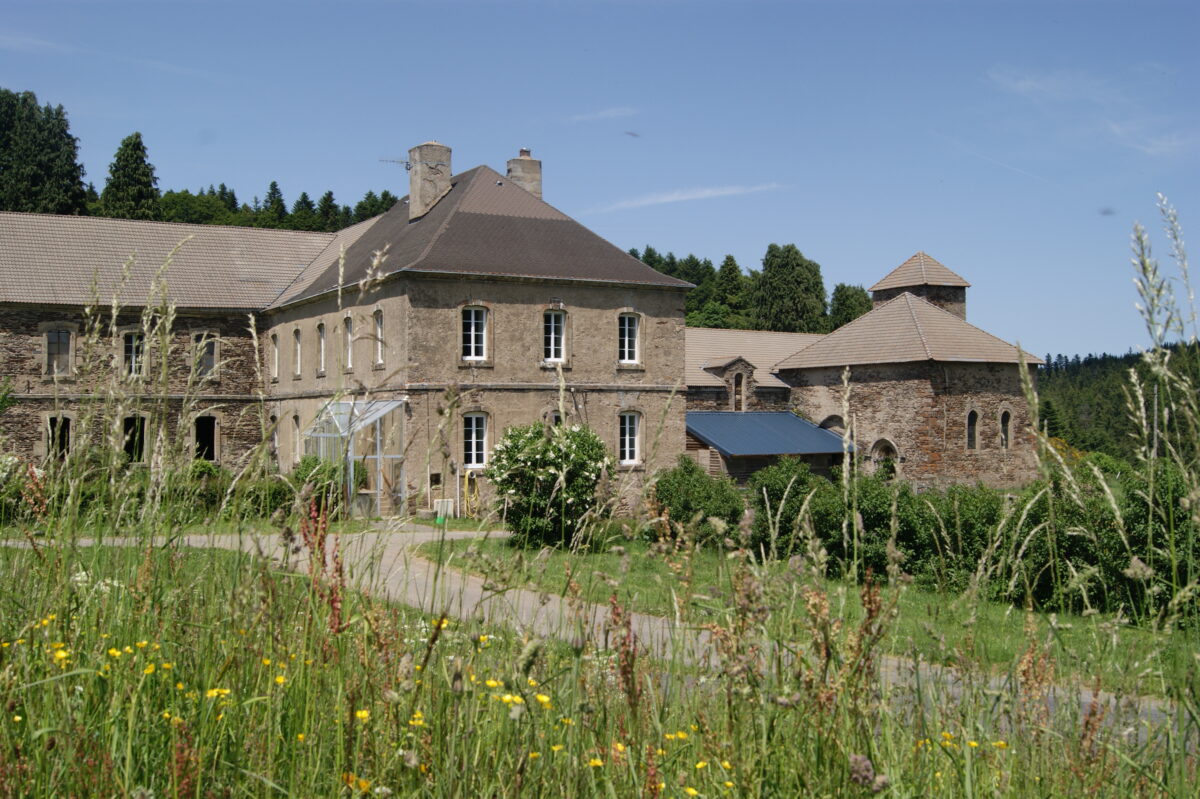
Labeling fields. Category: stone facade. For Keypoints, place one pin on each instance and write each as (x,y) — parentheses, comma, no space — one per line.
(950,298)
(95,386)
(917,415)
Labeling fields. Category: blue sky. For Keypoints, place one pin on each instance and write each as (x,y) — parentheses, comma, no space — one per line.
(1015,142)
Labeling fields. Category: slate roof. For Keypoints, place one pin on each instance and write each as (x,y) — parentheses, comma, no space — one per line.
(905,328)
(486,226)
(52,259)
(761,433)
(708,347)
(920,270)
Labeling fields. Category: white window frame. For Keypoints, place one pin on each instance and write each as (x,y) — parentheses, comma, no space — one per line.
(628,335)
(377,317)
(554,336)
(348,342)
(133,366)
(475,425)
(474,323)
(629,438)
(320,348)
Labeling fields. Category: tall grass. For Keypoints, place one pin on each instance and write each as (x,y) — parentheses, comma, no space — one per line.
(138,661)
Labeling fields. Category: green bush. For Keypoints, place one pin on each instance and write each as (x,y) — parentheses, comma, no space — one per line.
(327,479)
(778,494)
(545,479)
(687,491)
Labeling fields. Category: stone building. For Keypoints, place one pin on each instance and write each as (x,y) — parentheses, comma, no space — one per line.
(414,338)
(920,390)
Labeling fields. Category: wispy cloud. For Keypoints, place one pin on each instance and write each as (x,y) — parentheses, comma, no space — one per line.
(617,112)
(1089,105)
(34,45)
(685,195)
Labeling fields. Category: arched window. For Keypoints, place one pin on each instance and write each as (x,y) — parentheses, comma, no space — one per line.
(378,317)
(348,341)
(295,438)
(884,458)
(1005,422)
(296,354)
(972,430)
(321,348)
(739,392)
(834,423)
(274,356)
(629,438)
(474,440)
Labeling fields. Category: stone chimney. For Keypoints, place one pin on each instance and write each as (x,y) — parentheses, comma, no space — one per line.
(428,177)
(526,172)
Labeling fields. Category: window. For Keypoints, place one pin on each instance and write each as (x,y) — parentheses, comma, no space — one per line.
(135,357)
(474,334)
(739,392)
(206,438)
(554,418)
(348,341)
(295,439)
(378,316)
(1005,421)
(972,429)
(58,437)
(205,354)
(296,352)
(554,324)
(627,444)
(274,356)
(133,429)
(474,440)
(274,436)
(58,352)
(627,338)
(321,348)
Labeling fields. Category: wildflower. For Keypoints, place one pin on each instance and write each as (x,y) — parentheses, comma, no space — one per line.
(167,666)
(300,737)
(690,791)
(556,748)
(532,682)
(1000,744)
(542,700)
(417,720)
(149,669)
(534,755)
(166,714)
(57,645)
(595,762)
(178,686)
(483,639)
(492,683)
(566,721)
(128,650)
(114,652)
(725,764)
(17,719)
(728,784)
(973,744)
(681,735)
(441,623)
(362,715)
(141,644)
(701,764)
(280,679)
(670,736)
(213,693)
(266,661)
(62,654)
(620,747)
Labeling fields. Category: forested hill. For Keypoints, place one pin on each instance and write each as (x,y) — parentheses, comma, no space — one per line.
(1085,401)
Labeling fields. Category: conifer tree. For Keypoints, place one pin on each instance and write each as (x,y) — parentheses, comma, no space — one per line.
(273,211)
(731,289)
(367,207)
(304,214)
(328,213)
(790,294)
(132,189)
(39,167)
(847,304)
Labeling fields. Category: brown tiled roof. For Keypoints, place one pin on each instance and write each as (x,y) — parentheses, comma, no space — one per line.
(710,347)
(486,226)
(920,270)
(51,259)
(903,329)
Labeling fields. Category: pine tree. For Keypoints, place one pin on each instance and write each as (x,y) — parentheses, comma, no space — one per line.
(304,214)
(132,189)
(731,289)
(273,211)
(847,304)
(790,294)
(39,166)
(367,207)
(386,201)
(328,213)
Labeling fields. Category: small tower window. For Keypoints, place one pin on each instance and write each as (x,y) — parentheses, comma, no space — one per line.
(206,438)
(1005,422)
(972,430)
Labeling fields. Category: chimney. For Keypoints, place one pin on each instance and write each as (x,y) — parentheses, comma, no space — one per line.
(428,177)
(526,172)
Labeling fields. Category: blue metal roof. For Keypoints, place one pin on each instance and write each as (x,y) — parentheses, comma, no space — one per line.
(761,433)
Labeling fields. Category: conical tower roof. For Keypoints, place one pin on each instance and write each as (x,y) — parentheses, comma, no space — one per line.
(920,270)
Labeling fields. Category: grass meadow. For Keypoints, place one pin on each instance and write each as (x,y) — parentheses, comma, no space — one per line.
(136,663)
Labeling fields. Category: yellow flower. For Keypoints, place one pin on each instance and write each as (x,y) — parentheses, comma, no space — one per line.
(280,679)
(532,682)
(441,623)
(417,720)
(16,719)
(690,791)
(149,669)
(142,644)
(620,747)
(728,784)
(681,735)
(114,652)
(1000,745)
(62,654)
(702,764)
(362,715)
(178,686)
(166,714)
(492,683)
(660,752)
(556,748)
(300,737)
(168,666)
(483,639)
(266,661)
(213,693)
(534,755)
(543,700)
(595,762)
(128,650)
(670,736)
(57,645)
(725,764)
(973,744)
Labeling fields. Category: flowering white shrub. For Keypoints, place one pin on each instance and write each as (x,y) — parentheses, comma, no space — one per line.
(545,479)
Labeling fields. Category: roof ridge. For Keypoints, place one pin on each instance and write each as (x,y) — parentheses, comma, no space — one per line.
(908,298)
(161,222)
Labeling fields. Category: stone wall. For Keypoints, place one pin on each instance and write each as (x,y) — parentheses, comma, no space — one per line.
(950,298)
(921,410)
(93,395)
